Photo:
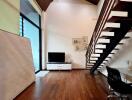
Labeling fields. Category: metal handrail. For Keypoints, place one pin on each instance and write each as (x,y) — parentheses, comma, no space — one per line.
(105,11)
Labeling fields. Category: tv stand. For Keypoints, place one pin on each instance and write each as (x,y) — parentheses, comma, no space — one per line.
(59,66)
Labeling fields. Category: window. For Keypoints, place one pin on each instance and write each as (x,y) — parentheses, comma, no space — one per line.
(30,28)
(27,9)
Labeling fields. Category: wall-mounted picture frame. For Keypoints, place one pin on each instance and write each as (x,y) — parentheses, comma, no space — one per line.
(80,44)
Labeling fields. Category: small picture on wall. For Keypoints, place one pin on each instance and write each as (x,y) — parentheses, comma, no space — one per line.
(76,41)
(80,44)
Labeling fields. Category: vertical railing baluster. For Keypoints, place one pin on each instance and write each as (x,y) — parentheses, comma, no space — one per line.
(108,4)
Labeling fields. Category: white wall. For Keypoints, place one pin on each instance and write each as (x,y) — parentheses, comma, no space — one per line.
(44,39)
(9,15)
(36,6)
(122,57)
(67,19)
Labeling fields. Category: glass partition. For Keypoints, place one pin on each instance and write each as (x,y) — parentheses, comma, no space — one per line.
(30,28)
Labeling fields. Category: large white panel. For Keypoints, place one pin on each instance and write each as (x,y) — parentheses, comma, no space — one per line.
(16,65)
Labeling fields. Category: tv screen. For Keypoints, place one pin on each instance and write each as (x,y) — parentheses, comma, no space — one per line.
(56,57)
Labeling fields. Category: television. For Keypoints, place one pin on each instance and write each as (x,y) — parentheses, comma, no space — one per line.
(56,57)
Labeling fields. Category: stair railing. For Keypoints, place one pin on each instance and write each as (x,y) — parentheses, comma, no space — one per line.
(104,14)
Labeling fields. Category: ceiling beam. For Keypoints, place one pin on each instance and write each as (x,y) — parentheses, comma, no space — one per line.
(95,2)
(44,4)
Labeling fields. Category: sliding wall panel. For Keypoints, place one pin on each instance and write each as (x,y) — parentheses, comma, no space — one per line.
(16,65)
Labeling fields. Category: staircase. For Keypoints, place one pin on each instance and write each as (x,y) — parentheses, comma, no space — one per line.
(110,34)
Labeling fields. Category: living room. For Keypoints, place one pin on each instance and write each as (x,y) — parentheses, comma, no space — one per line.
(44,49)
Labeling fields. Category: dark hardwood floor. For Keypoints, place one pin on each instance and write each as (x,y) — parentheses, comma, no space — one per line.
(67,85)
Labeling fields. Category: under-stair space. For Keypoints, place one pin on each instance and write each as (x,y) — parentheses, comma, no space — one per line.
(112,31)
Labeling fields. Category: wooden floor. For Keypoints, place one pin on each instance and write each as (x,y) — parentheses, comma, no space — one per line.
(67,85)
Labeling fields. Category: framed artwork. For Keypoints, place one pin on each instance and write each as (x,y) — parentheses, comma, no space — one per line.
(80,44)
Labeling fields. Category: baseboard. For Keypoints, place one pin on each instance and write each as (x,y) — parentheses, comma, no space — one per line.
(71,69)
(79,69)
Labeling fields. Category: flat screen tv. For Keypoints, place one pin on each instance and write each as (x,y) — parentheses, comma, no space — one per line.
(56,57)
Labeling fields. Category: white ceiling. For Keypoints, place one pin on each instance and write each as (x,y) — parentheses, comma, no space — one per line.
(71,17)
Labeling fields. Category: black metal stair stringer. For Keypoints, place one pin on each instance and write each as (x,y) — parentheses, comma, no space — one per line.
(119,35)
